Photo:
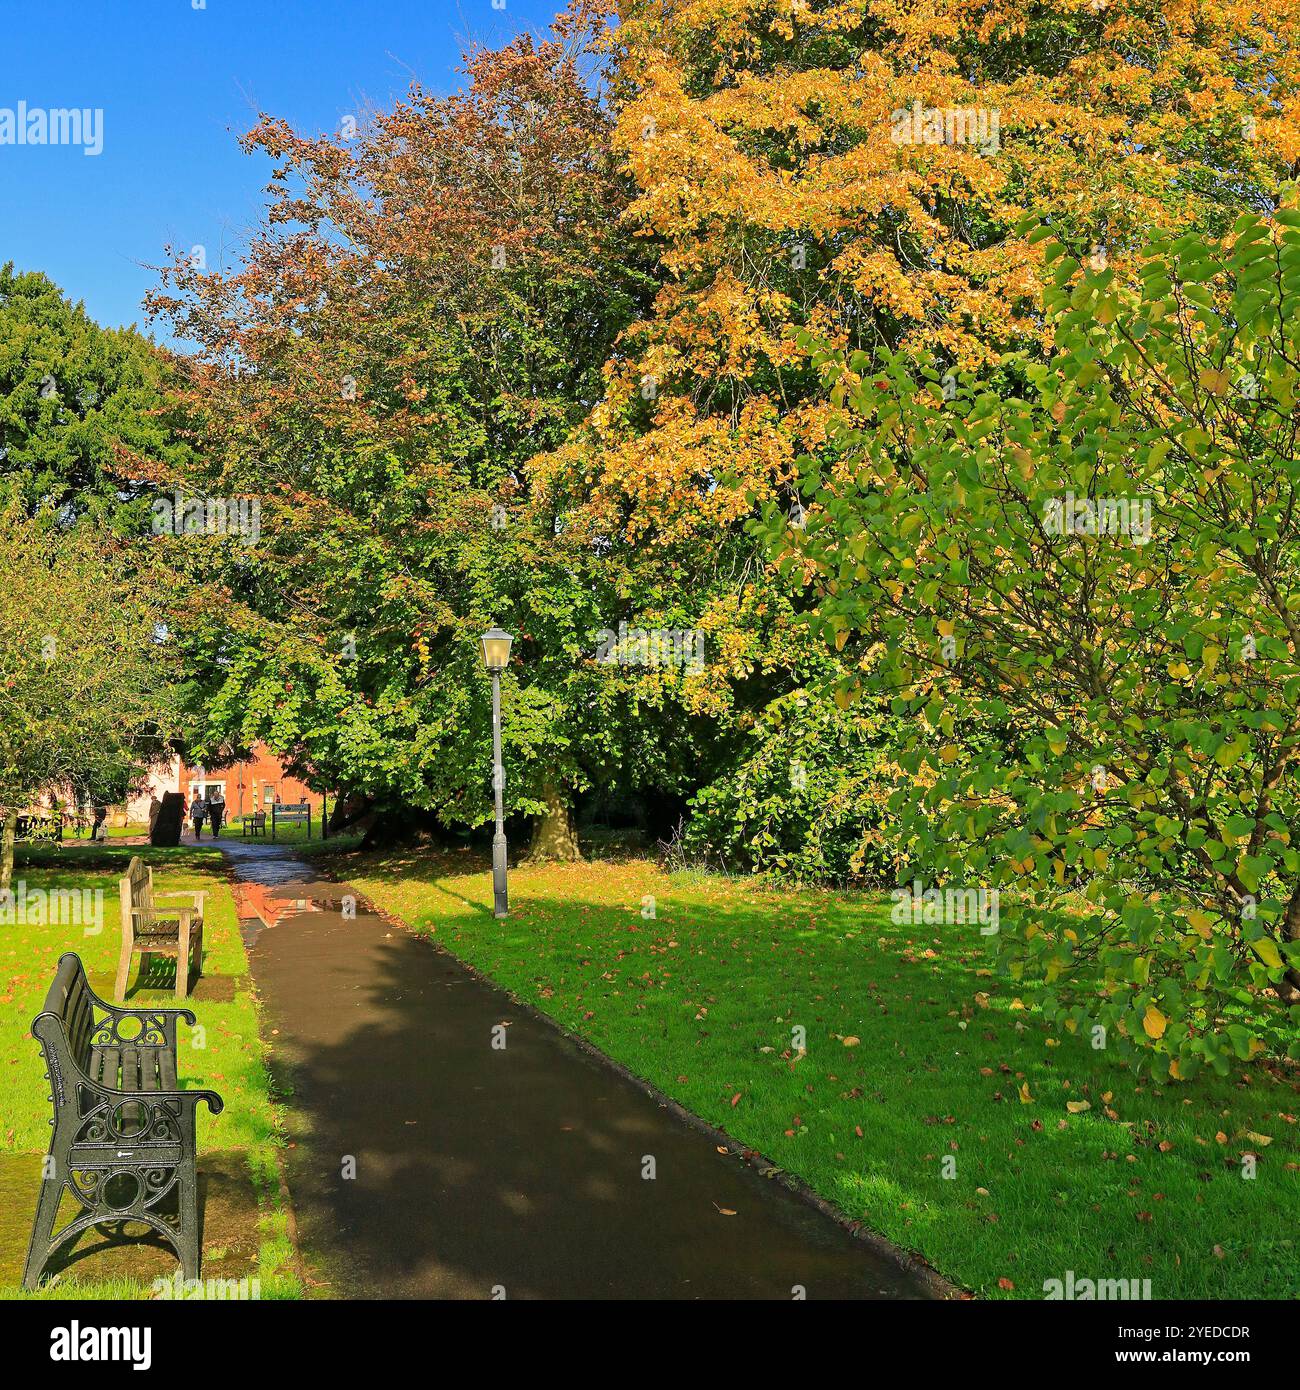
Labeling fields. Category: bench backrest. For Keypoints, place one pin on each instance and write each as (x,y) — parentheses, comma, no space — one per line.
(259,820)
(136,892)
(69,1000)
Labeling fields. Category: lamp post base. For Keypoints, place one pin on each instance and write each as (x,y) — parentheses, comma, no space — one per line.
(500,902)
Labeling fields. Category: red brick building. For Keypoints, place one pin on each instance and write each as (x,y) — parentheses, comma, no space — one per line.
(247,786)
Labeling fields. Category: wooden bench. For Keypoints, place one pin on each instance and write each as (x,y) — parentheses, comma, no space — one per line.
(162,930)
(255,824)
(124,1135)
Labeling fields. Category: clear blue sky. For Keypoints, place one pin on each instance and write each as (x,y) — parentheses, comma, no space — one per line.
(178,85)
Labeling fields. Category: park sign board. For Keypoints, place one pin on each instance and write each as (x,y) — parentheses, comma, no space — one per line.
(290,813)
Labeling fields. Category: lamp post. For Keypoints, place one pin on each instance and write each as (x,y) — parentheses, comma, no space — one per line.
(496,654)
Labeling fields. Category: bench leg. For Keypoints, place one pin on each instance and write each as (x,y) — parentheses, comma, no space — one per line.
(47,1210)
(183,962)
(123,967)
(198,950)
(189,1210)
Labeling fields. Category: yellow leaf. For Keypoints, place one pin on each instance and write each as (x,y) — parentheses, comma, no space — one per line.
(850,1041)
(1154,1022)
(1025,1097)
(1266,949)
(1077,1107)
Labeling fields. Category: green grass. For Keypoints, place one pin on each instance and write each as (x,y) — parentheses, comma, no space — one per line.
(114,832)
(701,1001)
(227,1055)
(286,833)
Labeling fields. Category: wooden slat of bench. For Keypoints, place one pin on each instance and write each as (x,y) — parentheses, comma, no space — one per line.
(130,1069)
(149,1068)
(167,1069)
(105,1062)
(78,1021)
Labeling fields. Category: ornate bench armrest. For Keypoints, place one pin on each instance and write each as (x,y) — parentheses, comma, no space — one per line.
(212,1099)
(166,1019)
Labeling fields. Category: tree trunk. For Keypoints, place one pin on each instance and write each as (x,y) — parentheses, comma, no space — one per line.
(1288,988)
(554,835)
(7,852)
(393,827)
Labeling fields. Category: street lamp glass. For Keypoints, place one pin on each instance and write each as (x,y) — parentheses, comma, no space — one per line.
(496,649)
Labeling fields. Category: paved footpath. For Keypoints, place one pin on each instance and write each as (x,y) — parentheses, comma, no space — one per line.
(485,1173)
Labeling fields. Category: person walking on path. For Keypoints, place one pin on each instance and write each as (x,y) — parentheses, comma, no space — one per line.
(216,812)
(198,813)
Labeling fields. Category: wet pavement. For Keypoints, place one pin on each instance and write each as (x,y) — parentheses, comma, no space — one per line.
(429,1163)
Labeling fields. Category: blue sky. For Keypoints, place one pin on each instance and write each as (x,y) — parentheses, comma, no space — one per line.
(177,86)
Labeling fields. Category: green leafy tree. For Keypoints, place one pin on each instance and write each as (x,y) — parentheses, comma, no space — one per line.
(85,670)
(806,798)
(85,419)
(1101,566)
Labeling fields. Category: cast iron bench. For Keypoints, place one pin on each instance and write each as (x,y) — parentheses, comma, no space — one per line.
(123,1141)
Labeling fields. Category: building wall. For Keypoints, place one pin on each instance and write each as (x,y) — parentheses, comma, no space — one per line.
(248,786)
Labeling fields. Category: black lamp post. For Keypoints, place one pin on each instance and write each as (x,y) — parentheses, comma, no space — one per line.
(496,654)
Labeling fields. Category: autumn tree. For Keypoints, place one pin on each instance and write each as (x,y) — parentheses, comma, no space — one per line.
(429,305)
(855,169)
(1103,565)
(852,172)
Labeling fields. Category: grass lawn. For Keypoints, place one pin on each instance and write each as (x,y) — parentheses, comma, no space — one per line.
(245,1230)
(915,1053)
(286,832)
(113,832)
